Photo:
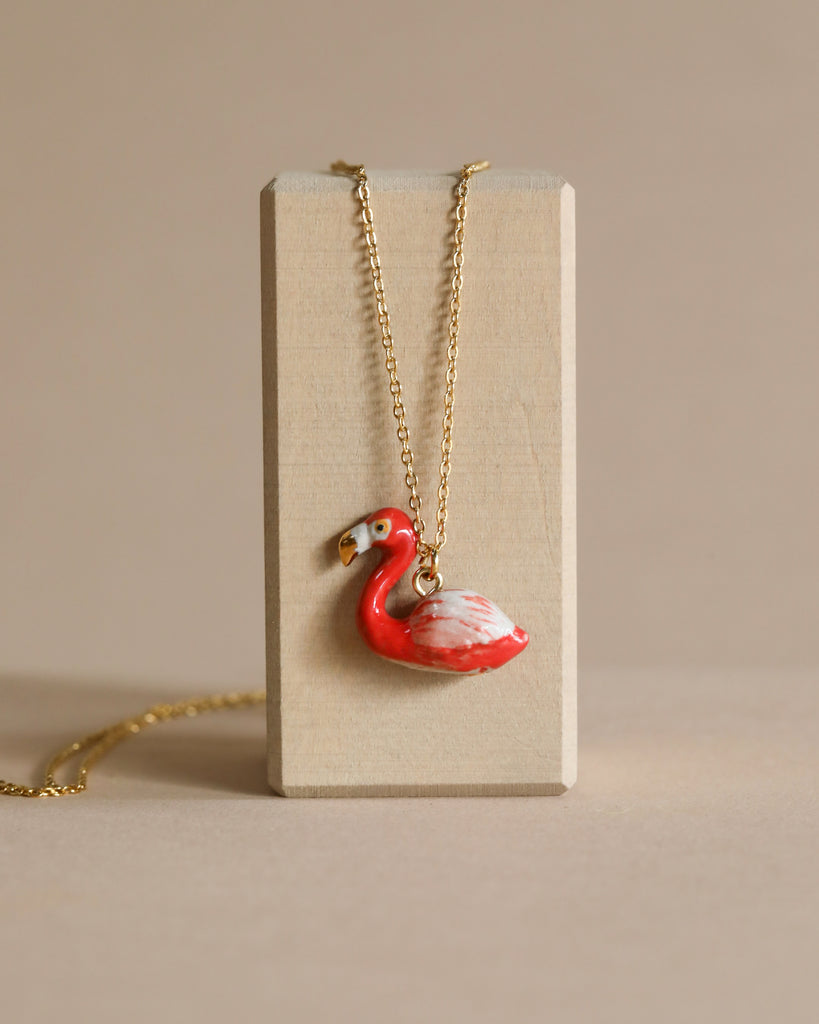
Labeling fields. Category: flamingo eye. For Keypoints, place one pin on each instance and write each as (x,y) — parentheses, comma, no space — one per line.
(380,528)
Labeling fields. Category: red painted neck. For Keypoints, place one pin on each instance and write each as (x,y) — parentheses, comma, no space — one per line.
(382,631)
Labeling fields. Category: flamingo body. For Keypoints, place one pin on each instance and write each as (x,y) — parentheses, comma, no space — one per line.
(448,631)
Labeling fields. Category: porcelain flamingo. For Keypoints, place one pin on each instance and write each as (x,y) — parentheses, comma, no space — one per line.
(447,631)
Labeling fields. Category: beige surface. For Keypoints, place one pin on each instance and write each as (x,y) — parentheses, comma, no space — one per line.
(675,882)
(344,722)
(676,879)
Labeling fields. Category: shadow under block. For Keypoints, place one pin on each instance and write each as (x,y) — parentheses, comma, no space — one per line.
(341,721)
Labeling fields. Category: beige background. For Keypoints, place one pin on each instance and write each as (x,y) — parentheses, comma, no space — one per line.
(675,880)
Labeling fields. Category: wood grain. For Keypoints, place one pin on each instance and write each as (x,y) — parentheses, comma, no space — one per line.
(342,721)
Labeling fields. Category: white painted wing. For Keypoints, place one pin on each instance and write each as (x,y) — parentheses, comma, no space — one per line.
(457,618)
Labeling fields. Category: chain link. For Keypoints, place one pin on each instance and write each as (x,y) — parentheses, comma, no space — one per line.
(98,744)
(427,551)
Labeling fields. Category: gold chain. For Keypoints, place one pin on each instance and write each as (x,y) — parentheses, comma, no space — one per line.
(92,748)
(98,744)
(428,552)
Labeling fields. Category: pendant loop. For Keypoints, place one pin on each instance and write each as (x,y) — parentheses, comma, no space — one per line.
(434,578)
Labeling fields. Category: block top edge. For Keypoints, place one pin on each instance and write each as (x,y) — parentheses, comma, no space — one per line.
(499,179)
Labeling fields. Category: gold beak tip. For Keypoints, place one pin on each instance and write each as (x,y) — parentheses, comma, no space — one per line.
(347,549)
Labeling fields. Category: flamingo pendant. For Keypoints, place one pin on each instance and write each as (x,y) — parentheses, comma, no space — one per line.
(447,631)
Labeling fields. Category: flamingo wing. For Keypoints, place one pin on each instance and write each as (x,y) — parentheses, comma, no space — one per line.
(455,619)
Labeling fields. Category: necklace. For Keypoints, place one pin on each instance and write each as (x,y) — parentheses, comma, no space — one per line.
(448,630)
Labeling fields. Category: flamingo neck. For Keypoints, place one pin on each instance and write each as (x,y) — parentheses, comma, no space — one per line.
(380,629)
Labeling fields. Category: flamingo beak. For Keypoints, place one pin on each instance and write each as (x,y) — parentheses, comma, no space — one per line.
(347,548)
(354,542)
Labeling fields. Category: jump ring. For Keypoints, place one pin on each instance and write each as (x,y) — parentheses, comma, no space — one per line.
(436,579)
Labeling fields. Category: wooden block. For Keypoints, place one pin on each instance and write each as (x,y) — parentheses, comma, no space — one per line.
(343,722)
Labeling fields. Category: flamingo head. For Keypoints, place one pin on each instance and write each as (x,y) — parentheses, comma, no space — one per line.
(388,528)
